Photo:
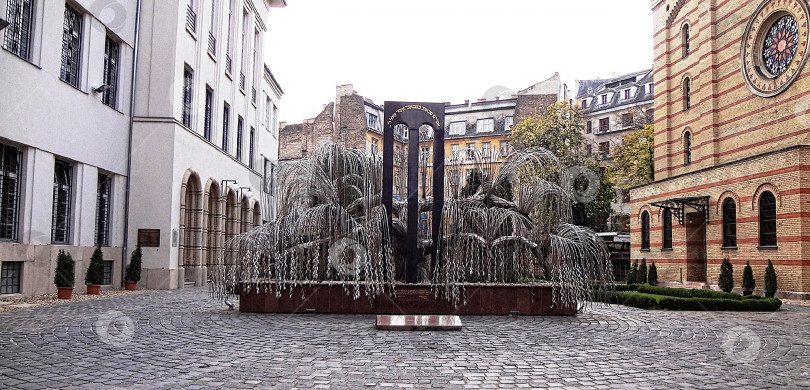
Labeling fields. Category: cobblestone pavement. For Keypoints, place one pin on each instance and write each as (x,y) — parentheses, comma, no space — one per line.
(173,339)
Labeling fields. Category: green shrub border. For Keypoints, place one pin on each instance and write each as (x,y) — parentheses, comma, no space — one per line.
(682,299)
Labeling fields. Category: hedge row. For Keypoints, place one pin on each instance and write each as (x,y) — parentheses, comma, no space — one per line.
(642,301)
(687,293)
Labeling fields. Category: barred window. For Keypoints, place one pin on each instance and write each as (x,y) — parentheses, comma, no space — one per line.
(687,148)
(20,16)
(110,95)
(767,219)
(10,172)
(666,238)
(645,230)
(226,126)
(209,108)
(188,93)
(729,223)
(252,147)
(60,223)
(239,139)
(108,267)
(71,47)
(10,276)
(687,94)
(103,210)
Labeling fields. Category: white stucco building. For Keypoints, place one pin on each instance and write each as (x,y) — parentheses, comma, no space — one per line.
(195,151)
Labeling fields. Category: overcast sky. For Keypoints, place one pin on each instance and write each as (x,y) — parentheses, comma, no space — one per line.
(448,50)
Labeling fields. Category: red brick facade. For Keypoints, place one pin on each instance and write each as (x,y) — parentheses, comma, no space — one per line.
(727,142)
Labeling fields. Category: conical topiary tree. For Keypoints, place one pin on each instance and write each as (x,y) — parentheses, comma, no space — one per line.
(726,278)
(65,270)
(770,280)
(631,275)
(134,267)
(642,272)
(95,272)
(652,276)
(748,282)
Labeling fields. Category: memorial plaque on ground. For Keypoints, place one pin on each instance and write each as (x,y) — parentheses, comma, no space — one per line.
(418,322)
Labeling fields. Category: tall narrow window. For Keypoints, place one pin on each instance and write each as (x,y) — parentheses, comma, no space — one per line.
(226,126)
(71,47)
(18,33)
(687,94)
(60,223)
(109,95)
(604,125)
(103,210)
(687,148)
(645,230)
(252,147)
(239,139)
(10,172)
(267,107)
(729,223)
(589,127)
(685,38)
(191,16)
(666,232)
(209,113)
(244,50)
(188,95)
(767,219)
(212,40)
(228,61)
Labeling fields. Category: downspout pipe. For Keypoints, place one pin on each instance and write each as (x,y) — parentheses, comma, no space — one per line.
(136,43)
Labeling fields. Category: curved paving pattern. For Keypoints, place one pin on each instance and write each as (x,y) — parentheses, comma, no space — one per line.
(171,339)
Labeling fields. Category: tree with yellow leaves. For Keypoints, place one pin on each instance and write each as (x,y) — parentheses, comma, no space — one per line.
(633,159)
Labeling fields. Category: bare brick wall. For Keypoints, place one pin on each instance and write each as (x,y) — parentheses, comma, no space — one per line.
(528,104)
(351,130)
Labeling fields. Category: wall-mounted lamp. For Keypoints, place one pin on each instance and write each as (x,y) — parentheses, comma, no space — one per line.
(3,23)
(101,88)
(247,193)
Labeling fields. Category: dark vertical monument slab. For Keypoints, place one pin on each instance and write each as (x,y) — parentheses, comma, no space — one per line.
(413,116)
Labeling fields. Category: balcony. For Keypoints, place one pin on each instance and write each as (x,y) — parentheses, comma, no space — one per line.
(191,19)
(212,44)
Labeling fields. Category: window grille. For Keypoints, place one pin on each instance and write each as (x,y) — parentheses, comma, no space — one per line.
(767,219)
(108,267)
(10,172)
(111,48)
(71,47)
(188,93)
(62,183)
(18,33)
(666,239)
(729,223)
(103,210)
(10,276)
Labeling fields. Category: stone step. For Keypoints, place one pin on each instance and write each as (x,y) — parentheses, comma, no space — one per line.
(189,284)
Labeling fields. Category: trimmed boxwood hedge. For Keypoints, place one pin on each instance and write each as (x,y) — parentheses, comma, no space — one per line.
(644,300)
(687,293)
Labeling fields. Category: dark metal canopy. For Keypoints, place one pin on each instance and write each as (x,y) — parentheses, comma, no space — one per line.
(677,206)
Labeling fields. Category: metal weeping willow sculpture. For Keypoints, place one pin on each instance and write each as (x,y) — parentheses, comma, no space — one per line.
(340,225)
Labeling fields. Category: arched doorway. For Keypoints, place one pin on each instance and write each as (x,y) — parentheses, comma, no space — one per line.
(190,221)
(257,214)
(213,223)
(246,218)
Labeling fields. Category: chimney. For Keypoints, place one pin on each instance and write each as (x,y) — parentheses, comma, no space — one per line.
(446,104)
(497,98)
(368,100)
(514,96)
(282,125)
(467,103)
(481,100)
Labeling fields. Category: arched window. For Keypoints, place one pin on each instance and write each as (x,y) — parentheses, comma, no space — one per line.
(767,219)
(685,38)
(666,232)
(687,148)
(687,94)
(729,223)
(645,230)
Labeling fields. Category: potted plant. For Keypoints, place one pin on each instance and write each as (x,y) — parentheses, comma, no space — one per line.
(748,282)
(726,279)
(133,275)
(65,275)
(770,280)
(652,276)
(95,272)
(641,277)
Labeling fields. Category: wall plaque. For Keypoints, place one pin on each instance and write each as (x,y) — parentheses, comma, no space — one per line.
(149,237)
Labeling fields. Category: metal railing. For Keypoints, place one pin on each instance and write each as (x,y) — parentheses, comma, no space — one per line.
(228,63)
(191,19)
(241,81)
(253,95)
